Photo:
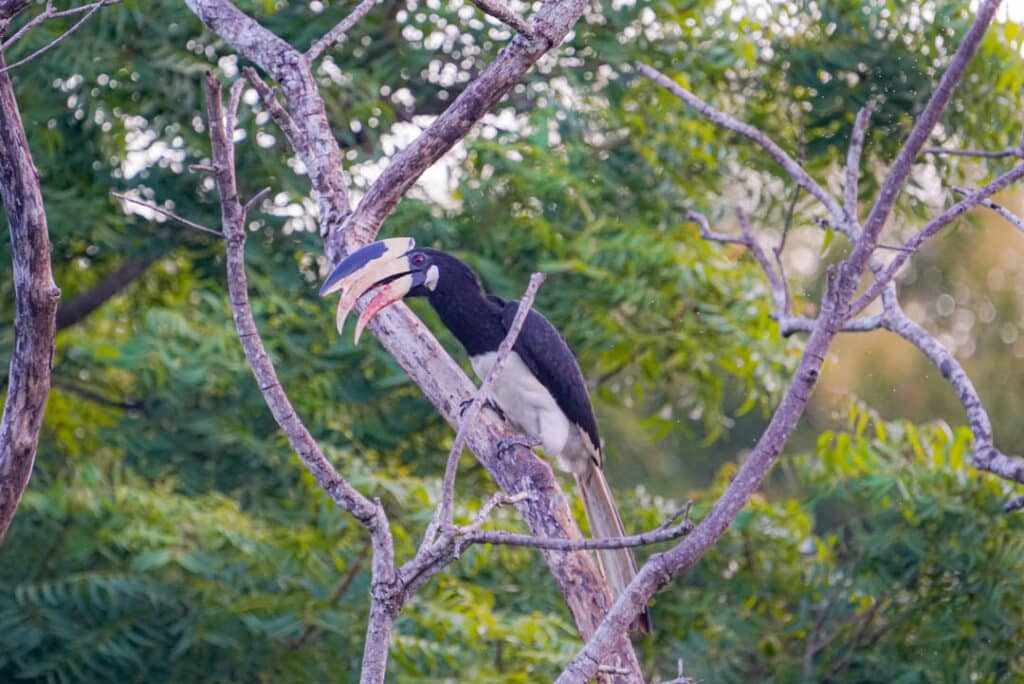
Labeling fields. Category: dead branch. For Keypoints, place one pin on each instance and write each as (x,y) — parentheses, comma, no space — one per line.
(505,15)
(167,212)
(51,14)
(339,31)
(78,308)
(35,306)
(840,285)
(444,513)
(720,118)
(405,338)
(1012,218)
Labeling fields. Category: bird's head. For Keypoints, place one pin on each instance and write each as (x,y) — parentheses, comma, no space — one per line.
(394,269)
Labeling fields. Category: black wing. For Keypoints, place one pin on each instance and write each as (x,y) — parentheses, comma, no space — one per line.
(548,356)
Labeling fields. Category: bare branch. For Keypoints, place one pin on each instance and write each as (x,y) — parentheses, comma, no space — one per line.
(983,154)
(896,179)
(504,350)
(408,340)
(499,537)
(233,221)
(339,31)
(853,154)
(551,23)
(930,229)
(283,120)
(680,677)
(385,590)
(1017,221)
(496,500)
(78,308)
(786,226)
(720,118)
(780,289)
(166,212)
(505,15)
(35,306)
(986,456)
(49,13)
(255,199)
(91,10)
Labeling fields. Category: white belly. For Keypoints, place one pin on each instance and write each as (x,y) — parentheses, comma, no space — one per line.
(528,404)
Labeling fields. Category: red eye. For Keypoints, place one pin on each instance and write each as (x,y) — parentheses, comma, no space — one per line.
(418,260)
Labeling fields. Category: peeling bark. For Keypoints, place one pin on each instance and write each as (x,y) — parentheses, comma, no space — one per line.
(35,307)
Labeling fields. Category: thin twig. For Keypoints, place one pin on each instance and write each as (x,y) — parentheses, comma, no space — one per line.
(443,516)
(50,13)
(498,499)
(984,154)
(93,9)
(505,15)
(166,212)
(1017,221)
(680,677)
(776,280)
(255,199)
(853,155)
(786,227)
(277,111)
(656,536)
(720,118)
(339,31)
(338,593)
(934,226)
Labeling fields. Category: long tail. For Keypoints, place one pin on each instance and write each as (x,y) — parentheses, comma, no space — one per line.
(617,565)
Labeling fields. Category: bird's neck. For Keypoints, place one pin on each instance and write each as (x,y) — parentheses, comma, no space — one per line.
(474,319)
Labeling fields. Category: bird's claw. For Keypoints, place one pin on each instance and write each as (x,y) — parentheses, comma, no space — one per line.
(508,443)
(464,405)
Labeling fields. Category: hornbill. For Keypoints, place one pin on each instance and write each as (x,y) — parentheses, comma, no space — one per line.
(541,389)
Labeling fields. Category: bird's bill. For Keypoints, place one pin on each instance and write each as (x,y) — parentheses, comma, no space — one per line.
(381,263)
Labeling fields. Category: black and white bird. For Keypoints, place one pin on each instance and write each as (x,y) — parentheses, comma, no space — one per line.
(541,389)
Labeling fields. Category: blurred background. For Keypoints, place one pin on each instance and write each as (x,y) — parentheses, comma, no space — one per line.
(169,533)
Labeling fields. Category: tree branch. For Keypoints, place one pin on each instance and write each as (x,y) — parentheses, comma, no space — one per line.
(35,305)
(912,245)
(1012,218)
(339,31)
(840,285)
(550,25)
(852,268)
(723,120)
(505,15)
(77,308)
(983,154)
(406,339)
(89,11)
(444,511)
(166,212)
(853,155)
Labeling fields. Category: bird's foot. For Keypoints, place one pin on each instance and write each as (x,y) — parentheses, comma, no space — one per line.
(508,443)
(489,404)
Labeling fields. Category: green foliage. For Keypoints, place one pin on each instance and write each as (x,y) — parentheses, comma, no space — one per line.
(169,534)
(897,563)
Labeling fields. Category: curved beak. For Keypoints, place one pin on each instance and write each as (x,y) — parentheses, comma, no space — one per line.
(381,264)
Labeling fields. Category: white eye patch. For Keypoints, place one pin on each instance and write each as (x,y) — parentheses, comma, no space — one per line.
(431,280)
